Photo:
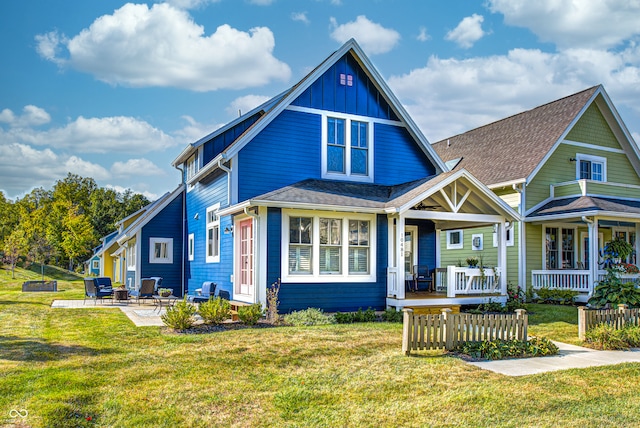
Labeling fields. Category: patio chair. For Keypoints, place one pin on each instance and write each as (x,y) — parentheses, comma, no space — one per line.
(421,274)
(203,294)
(93,291)
(146,290)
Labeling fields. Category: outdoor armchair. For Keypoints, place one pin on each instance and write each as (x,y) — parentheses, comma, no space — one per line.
(92,290)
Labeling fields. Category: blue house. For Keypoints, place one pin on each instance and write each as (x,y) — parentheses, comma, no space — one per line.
(333,189)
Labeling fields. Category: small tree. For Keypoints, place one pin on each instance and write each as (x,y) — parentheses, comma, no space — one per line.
(40,252)
(14,246)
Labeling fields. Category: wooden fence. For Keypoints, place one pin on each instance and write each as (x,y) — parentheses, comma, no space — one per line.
(448,330)
(617,318)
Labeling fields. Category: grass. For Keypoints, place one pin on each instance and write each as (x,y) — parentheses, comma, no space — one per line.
(64,365)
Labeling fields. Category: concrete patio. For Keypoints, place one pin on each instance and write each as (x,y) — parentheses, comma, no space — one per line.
(144,314)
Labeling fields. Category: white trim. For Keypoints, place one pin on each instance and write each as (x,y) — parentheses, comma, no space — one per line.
(507,183)
(560,261)
(341,115)
(191,247)
(593,159)
(347,174)
(260,277)
(459,245)
(593,146)
(168,258)
(315,276)
(414,243)
(215,225)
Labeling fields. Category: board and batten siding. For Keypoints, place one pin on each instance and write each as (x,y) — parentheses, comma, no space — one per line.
(165,224)
(219,143)
(330,297)
(489,253)
(204,194)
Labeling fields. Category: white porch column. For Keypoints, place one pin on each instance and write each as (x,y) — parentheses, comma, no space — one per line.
(637,243)
(593,253)
(400,277)
(502,256)
(392,271)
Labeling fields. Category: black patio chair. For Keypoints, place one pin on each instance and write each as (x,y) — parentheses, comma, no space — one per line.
(146,290)
(93,291)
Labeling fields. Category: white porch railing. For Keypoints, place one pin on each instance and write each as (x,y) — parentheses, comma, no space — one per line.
(472,281)
(576,280)
(625,277)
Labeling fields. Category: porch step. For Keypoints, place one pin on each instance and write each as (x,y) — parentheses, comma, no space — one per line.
(434,310)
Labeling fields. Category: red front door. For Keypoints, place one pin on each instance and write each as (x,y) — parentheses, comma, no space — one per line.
(245,258)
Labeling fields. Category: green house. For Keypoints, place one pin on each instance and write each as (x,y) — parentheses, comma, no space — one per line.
(571,169)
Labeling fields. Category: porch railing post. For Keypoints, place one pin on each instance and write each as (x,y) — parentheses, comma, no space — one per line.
(522,334)
(451,281)
(407,330)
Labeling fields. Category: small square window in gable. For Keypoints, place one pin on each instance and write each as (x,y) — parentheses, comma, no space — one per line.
(346,79)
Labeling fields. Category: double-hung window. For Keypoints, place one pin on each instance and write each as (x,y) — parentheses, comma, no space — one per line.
(331,248)
(213,234)
(347,149)
(560,248)
(591,168)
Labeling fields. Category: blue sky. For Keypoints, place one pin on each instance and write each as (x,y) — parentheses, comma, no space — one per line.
(115,90)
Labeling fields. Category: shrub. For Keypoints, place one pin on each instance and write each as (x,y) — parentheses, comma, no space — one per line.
(490,307)
(272,302)
(391,315)
(515,299)
(500,349)
(215,311)
(180,316)
(351,317)
(631,335)
(557,297)
(604,336)
(250,315)
(612,291)
(311,316)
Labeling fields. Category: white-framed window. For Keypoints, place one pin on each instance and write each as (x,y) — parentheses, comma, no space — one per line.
(590,167)
(191,247)
(328,247)
(455,239)
(559,247)
(191,166)
(161,250)
(131,256)
(96,264)
(347,147)
(509,231)
(213,234)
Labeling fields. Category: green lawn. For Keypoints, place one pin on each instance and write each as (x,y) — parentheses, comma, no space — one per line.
(63,365)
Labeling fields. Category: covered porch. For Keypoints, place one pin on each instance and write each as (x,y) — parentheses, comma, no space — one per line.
(574,241)
(443,210)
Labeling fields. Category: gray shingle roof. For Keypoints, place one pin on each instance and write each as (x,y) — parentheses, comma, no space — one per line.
(511,148)
(583,204)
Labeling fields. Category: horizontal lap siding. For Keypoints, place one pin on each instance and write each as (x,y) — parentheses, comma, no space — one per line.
(398,158)
(331,297)
(592,128)
(166,224)
(285,152)
(199,199)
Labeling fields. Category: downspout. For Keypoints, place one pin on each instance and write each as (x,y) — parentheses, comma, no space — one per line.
(256,249)
(184,221)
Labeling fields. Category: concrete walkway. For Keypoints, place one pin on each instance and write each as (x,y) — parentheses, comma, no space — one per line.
(569,357)
(143,315)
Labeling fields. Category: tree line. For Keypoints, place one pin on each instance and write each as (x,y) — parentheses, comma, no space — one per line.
(61,226)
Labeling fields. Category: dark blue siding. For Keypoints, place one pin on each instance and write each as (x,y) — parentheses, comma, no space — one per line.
(426,242)
(274,244)
(216,145)
(166,224)
(362,98)
(332,297)
(285,152)
(398,159)
(205,194)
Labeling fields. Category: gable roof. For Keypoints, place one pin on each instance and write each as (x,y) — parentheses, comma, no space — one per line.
(272,108)
(511,150)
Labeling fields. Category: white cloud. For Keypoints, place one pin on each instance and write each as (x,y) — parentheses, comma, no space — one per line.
(422,35)
(300,16)
(31,116)
(162,46)
(194,131)
(91,135)
(120,189)
(373,37)
(449,96)
(135,167)
(246,103)
(189,4)
(23,168)
(468,31)
(589,24)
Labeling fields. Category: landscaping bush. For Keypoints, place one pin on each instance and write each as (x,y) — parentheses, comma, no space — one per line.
(500,349)
(515,299)
(632,335)
(604,336)
(391,315)
(311,316)
(612,291)
(489,307)
(351,317)
(250,315)
(215,311)
(557,297)
(180,316)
